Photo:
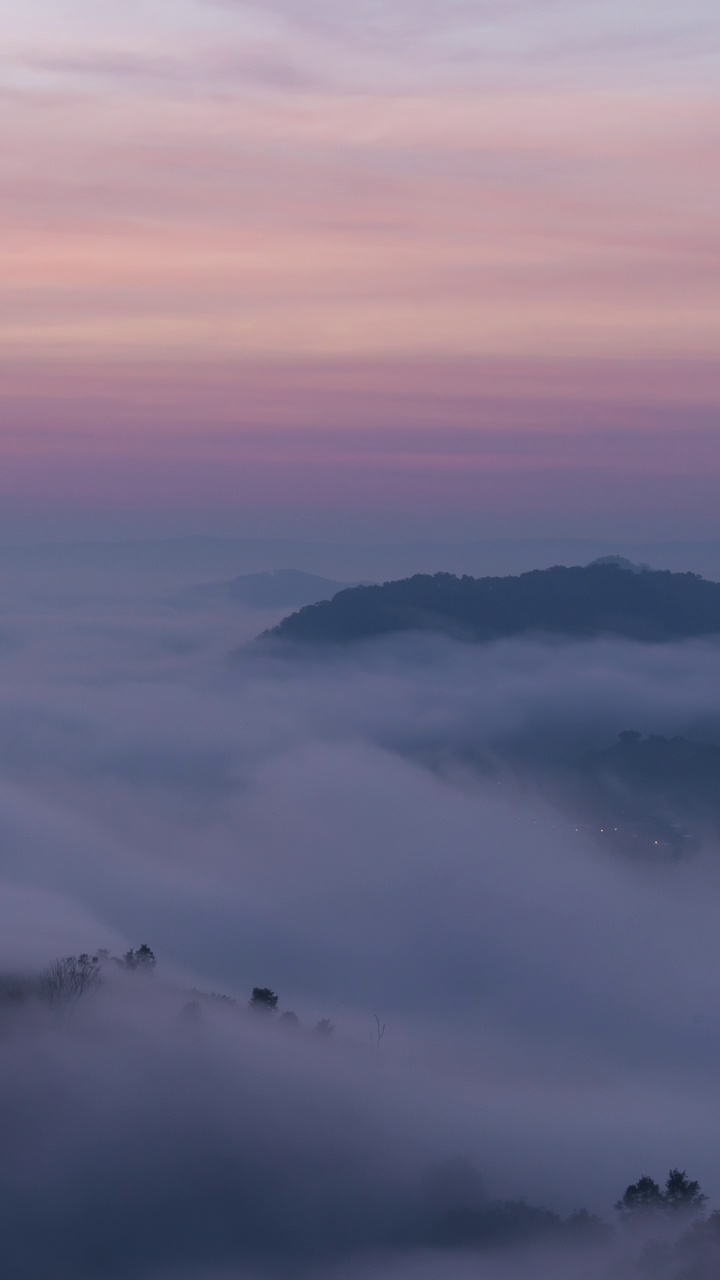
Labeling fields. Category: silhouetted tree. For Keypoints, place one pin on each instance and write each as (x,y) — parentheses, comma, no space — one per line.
(644,1197)
(289,1020)
(140,961)
(69,977)
(263,1000)
(145,957)
(682,1195)
(641,1198)
(324,1027)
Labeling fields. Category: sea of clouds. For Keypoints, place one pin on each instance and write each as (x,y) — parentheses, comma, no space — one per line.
(310,822)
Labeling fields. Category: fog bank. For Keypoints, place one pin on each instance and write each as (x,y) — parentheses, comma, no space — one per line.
(318,826)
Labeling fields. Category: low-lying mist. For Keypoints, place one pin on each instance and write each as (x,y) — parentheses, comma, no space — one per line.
(364,833)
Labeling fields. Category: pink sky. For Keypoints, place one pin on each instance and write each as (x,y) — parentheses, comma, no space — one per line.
(307,262)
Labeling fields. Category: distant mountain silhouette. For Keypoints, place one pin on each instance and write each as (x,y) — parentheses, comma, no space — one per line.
(598,599)
(278,588)
(622,563)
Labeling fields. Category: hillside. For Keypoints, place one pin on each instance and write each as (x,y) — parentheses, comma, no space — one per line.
(598,599)
(675,776)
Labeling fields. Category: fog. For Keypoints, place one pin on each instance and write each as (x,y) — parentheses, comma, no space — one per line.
(315,824)
(82,568)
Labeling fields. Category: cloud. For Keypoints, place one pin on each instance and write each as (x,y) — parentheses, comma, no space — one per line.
(215,72)
(310,824)
(517,36)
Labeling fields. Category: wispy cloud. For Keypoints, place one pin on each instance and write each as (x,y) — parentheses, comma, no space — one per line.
(382,183)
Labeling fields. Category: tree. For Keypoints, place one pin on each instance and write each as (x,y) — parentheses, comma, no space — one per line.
(70,977)
(289,1020)
(644,1197)
(263,1000)
(140,961)
(324,1027)
(640,1199)
(145,958)
(682,1195)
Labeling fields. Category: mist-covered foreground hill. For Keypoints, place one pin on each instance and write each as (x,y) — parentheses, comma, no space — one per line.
(653,605)
(206,1138)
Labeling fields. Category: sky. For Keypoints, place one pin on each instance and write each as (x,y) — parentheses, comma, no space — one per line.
(312,269)
(342,285)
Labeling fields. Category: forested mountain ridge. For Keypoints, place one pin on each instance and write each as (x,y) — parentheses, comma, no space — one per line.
(653,605)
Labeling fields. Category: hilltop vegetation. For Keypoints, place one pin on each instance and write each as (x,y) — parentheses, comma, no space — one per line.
(443,1206)
(578,602)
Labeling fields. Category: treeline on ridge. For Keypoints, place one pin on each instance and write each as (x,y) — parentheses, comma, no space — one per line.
(653,605)
(666,1228)
(68,978)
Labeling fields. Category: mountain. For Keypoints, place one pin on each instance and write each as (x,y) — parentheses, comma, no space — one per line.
(622,563)
(650,791)
(598,599)
(276,589)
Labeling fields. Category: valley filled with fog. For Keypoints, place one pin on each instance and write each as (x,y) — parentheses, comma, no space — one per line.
(385,836)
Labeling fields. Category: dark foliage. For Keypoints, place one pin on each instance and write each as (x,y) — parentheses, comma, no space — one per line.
(324,1027)
(644,1198)
(142,961)
(682,1195)
(289,1021)
(640,1199)
(69,978)
(263,1000)
(578,602)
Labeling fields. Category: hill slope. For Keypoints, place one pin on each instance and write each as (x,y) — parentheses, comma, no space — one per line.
(579,602)
(672,775)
